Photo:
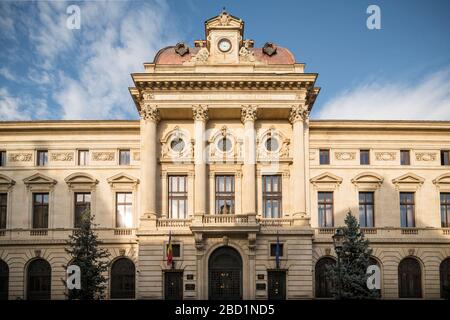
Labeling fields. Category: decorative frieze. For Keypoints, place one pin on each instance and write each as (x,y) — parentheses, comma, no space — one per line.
(385,156)
(20,157)
(61,156)
(345,155)
(425,156)
(137,156)
(103,156)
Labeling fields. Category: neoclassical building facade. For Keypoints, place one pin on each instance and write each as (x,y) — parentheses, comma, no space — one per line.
(226,162)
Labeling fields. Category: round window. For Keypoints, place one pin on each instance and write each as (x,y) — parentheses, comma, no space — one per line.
(272,144)
(177,145)
(224,144)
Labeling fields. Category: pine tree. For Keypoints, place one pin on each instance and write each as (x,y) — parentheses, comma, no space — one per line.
(354,260)
(83,247)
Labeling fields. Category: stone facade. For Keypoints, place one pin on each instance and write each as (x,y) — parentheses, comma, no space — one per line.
(242,112)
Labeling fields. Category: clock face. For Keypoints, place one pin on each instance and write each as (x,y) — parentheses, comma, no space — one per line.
(224,45)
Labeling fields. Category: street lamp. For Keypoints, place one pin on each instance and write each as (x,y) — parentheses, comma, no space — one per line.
(338,241)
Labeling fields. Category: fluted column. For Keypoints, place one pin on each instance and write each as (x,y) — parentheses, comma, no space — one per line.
(200,113)
(298,115)
(248,117)
(149,122)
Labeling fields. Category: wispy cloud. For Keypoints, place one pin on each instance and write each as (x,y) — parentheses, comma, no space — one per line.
(22,108)
(427,99)
(81,74)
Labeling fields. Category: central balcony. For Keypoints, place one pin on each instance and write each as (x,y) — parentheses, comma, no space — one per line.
(225,223)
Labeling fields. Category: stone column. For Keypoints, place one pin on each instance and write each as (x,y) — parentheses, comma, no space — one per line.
(248,117)
(149,122)
(298,115)
(200,113)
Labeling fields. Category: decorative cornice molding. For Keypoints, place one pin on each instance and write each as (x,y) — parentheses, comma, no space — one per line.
(298,112)
(149,112)
(248,113)
(200,112)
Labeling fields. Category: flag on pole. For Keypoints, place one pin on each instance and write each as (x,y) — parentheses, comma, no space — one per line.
(169,250)
(277,252)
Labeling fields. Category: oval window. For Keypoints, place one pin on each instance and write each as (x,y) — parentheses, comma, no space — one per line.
(224,144)
(177,145)
(272,144)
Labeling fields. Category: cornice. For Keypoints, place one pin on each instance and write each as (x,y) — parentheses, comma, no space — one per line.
(378,125)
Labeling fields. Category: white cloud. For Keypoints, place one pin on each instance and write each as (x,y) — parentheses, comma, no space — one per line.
(21,108)
(7,74)
(428,99)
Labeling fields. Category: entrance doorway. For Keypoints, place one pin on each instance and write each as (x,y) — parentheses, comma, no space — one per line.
(173,285)
(225,274)
(276,280)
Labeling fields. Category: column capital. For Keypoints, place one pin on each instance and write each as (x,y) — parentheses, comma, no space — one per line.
(200,112)
(248,113)
(299,112)
(149,112)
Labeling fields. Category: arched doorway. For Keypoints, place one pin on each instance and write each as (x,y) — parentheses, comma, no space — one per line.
(4,280)
(324,285)
(225,274)
(39,276)
(444,271)
(409,279)
(123,279)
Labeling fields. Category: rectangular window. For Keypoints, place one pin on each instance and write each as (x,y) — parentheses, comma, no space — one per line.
(224,194)
(82,205)
(40,210)
(445,210)
(364,157)
(2,158)
(405,158)
(178,197)
(366,210)
(272,196)
(124,210)
(176,250)
(83,156)
(325,204)
(407,210)
(124,157)
(42,158)
(3,207)
(273,249)
(445,157)
(324,156)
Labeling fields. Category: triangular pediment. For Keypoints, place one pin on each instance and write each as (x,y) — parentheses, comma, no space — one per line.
(80,178)
(326,177)
(123,178)
(443,179)
(224,21)
(368,178)
(408,178)
(6,181)
(39,178)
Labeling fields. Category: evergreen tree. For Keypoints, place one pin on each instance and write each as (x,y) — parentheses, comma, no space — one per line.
(83,247)
(354,260)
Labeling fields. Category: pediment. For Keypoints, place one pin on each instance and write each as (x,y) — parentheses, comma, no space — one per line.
(6,181)
(368,178)
(327,178)
(443,179)
(408,178)
(223,21)
(80,178)
(123,178)
(39,178)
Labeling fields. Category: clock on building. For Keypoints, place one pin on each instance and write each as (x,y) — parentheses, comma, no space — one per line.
(224,45)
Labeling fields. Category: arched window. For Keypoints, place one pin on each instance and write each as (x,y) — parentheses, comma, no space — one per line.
(444,271)
(4,279)
(39,276)
(324,285)
(409,279)
(123,279)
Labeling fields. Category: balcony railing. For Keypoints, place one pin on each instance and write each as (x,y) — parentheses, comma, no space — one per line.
(173,223)
(225,219)
(276,222)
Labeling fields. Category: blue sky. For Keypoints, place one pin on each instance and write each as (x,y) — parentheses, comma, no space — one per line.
(399,72)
